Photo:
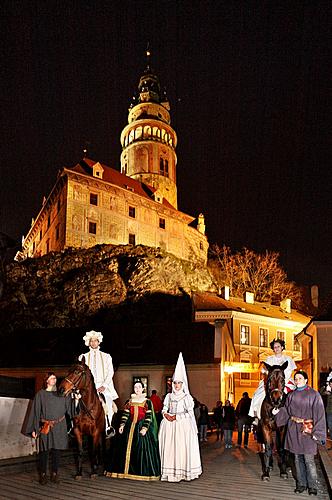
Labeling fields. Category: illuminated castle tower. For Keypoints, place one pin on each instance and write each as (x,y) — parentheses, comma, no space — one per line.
(148,141)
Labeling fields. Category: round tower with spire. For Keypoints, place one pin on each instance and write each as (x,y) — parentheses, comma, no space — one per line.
(148,141)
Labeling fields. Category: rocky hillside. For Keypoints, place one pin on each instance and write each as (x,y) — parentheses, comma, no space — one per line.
(71,288)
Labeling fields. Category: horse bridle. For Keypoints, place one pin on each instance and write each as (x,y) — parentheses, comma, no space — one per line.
(269,391)
(75,388)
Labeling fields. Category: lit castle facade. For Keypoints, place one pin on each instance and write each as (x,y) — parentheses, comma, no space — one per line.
(92,203)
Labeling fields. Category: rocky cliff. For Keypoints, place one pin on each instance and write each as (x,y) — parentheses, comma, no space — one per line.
(74,288)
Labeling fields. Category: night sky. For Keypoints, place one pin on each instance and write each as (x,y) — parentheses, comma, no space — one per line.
(247,84)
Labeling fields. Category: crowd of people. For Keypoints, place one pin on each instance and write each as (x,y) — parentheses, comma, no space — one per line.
(160,439)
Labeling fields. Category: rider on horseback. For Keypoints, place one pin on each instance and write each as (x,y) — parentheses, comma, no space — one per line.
(278,345)
(101,366)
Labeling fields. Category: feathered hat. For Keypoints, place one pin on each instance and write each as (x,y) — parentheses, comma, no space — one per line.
(92,335)
(180,374)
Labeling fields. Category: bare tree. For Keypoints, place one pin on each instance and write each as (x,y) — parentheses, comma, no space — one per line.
(249,271)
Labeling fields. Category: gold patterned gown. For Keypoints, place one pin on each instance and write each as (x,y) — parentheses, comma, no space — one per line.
(135,456)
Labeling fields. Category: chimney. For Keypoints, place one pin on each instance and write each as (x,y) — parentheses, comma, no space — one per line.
(224,292)
(286,305)
(314,295)
(249,297)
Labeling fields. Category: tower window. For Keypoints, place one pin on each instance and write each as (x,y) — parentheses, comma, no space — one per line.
(162,223)
(47,246)
(200,245)
(132,239)
(132,212)
(40,235)
(58,206)
(93,199)
(92,227)
(48,221)
(57,232)
(163,167)
(166,168)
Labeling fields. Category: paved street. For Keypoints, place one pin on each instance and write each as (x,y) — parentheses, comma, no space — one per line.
(228,474)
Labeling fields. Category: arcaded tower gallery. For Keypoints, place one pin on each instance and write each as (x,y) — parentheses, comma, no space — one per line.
(92,203)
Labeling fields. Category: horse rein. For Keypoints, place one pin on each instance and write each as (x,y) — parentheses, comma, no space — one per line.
(75,388)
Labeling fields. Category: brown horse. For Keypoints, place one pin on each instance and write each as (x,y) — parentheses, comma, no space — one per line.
(275,398)
(91,419)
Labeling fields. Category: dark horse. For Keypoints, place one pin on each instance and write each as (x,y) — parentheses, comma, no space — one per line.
(275,398)
(91,419)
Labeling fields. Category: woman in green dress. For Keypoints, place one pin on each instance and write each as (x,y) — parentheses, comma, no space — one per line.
(136,453)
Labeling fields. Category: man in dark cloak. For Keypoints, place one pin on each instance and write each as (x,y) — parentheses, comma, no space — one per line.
(47,423)
(304,415)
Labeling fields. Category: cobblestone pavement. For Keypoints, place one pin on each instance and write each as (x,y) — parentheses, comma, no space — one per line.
(227,474)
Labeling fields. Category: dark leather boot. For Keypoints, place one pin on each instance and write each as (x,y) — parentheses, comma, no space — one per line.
(55,478)
(42,478)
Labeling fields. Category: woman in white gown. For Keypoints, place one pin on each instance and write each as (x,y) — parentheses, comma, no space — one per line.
(278,358)
(178,439)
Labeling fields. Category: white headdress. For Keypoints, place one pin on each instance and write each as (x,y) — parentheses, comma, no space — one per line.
(180,374)
(92,335)
(329,378)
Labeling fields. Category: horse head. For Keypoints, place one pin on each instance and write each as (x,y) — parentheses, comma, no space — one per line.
(77,379)
(275,383)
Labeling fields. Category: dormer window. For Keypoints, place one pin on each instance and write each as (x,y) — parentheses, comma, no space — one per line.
(97,170)
(132,212)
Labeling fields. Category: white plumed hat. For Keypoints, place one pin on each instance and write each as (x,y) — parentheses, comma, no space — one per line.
(92,335)
(180,374)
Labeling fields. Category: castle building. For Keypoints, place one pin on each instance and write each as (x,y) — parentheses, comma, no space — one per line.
(92,203)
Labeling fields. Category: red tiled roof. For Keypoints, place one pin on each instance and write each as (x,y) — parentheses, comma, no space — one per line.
(117,178)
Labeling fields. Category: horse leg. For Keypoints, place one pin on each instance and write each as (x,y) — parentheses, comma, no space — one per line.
(267,455)
(94,454)
(281,454)
(79,456)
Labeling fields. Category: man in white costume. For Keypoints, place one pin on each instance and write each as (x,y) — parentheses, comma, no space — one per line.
(101,366)
(278,358)
(178,439)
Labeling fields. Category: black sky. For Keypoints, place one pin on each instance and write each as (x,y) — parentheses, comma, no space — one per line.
(247,83)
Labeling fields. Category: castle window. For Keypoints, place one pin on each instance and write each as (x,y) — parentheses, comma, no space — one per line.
(93,199)
(163,167)
(92,227)
(244,335)
(263,337)
(132,239)
(47,246)
(200,245)
(33,246)
(162,223)
(40,235)
(58,206)
(57,232)
(132,212)
(48,221)
(166,168)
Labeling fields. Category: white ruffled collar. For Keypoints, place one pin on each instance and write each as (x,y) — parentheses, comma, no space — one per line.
(135,398)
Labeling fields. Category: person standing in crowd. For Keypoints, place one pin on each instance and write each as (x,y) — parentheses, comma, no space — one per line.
(228,423)
(327,392)
(278,358)
(218,418)
(203,422)
(47,423)
(305,418)
(178,440)
(135,454)
(157,405)
(243,419)
(101,366)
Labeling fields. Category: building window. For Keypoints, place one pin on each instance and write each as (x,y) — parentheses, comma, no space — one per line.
(92,227)
(162,223)
(33,246)
(281,335)
(48,221)
(58,206)
(132,239)
(57,232)
(163,167)
(93,199)
(263,337)
(40,235)
(47,246)
(244,335)
(132,212)
(244,375)
(296,344)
